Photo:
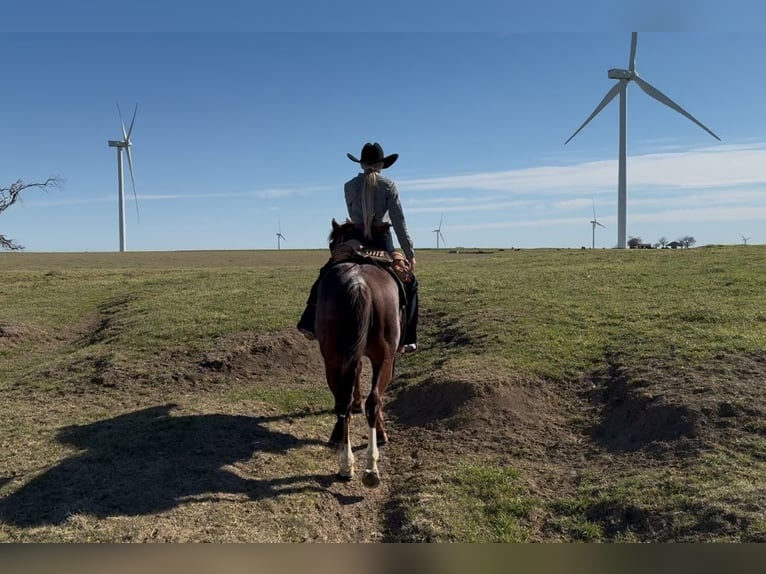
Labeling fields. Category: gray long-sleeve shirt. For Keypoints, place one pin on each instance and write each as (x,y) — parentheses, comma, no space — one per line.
(386,206)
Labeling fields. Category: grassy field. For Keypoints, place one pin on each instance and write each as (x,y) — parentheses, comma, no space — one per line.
(559,395)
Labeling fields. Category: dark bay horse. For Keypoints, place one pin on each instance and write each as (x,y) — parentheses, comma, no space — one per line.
(358,315)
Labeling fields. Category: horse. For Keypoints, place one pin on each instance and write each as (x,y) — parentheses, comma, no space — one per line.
(358,315)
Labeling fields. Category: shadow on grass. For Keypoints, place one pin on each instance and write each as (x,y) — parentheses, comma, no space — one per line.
(148,461)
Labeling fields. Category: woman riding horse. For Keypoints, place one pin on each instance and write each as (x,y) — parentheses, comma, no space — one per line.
(374,207)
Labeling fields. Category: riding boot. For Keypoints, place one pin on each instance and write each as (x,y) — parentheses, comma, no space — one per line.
(411,333)
(306,323)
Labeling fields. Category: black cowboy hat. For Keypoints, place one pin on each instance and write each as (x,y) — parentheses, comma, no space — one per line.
(373,153)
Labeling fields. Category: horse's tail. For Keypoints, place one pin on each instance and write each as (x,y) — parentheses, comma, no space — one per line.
(354,335)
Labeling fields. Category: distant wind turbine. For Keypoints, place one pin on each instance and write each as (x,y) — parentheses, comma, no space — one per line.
(438,232)
(745,239)
(594,223)
(124,145)
(280,237)
(621,87)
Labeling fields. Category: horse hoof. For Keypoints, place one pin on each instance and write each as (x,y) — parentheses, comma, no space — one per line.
(356,409)
(371,479)
(344,478)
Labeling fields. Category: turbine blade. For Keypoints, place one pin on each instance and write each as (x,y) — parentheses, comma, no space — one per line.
(607,98)
(663,99)
(133,181)
(633,42)
(594,209)
(600,225)
(122,123)
(440,221)
(130,129)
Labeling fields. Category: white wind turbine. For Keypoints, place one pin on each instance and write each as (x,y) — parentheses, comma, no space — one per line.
(124,145)
(621,87)
(438,232)
(280,237)
(594,223)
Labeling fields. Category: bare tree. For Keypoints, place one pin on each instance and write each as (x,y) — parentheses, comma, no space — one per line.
(662,242)
(12,194)
(634,242)
(687,241)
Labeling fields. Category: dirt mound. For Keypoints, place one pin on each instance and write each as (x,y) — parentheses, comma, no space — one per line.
(14,333)
(284,353)
(633,420)
(500,413)
(284,356)
(658,407)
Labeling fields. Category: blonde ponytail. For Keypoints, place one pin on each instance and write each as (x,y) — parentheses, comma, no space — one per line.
(369,185)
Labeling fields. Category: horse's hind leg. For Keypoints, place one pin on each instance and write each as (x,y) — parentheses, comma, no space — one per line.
(381,376)
(356,405)
(345,454)
(340,439)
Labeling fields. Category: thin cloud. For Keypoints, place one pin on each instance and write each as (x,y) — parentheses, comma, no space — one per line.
(703,214)
(724,174)
(725,166)
(669,216)
(516,223)
(464,207)
(271,193)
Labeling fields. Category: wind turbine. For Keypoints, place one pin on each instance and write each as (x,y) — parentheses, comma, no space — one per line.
(594,223)
(124,145)
(745,239)
(280,237)
(438,232)
(621,87)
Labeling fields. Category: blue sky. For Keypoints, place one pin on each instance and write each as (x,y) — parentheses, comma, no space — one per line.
(245,119)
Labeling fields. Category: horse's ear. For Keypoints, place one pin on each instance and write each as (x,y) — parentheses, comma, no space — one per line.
(335,224)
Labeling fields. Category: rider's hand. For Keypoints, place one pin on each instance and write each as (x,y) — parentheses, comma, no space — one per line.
(412,264)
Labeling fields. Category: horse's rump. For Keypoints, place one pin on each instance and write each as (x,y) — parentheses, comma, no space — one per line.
(357,310)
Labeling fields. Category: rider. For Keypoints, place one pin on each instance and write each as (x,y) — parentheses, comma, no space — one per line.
(374,207)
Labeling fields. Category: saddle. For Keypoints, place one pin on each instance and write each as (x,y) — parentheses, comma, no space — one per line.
(395,263)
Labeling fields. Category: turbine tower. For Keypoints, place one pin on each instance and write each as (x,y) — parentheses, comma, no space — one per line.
(623,77)
(594,223)
(280,237)
(124,145)
(438,232)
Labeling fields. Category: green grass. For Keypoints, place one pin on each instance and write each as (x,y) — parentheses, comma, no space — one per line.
(474,503)
(546,313)
(555,313)
(288,400)
(679,322)
(118,313)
